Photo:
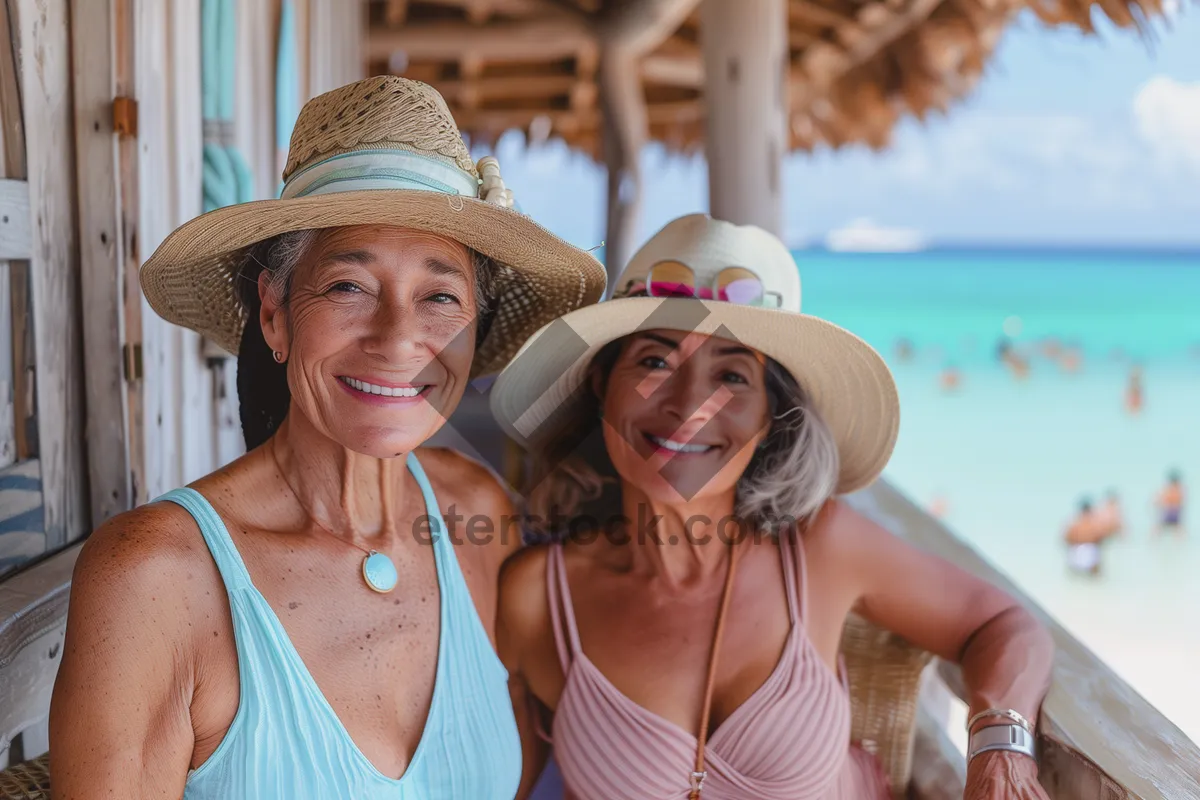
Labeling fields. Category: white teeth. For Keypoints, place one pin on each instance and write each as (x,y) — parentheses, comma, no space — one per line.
(384,391)
(681,448)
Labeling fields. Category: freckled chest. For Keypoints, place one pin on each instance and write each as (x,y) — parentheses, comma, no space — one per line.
(373,656)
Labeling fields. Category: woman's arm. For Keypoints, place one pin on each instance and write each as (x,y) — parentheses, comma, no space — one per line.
(120,713)
(1006,654)
(519,632)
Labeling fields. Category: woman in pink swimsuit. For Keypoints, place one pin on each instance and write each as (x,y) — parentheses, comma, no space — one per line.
(683,641)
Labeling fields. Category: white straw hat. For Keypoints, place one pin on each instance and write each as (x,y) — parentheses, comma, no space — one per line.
(535,397)
(382,151)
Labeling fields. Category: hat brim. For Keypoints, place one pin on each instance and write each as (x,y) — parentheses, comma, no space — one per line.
(848,382)
(189,280)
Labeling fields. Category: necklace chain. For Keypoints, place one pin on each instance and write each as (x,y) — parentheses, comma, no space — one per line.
(312,516)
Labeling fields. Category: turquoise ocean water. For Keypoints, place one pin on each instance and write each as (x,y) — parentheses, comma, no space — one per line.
(1006,461)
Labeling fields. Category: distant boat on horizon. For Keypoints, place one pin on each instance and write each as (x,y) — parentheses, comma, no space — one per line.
(864,236)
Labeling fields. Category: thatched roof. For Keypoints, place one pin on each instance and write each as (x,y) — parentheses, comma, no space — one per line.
(857,66)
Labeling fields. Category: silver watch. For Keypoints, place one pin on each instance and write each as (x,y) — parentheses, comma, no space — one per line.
(1012,738)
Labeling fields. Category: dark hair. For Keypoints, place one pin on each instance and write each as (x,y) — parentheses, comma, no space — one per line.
(263,393)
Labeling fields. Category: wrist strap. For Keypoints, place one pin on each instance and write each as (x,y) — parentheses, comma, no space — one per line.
(1008,713)
(1011,738)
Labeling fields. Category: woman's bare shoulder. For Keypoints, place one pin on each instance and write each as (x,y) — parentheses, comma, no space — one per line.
(840,532)
(144,565)
(158,534)
(523,586)
(460,479)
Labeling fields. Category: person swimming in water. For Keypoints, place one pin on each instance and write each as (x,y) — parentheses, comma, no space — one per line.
(1170,504)
(1109,517)
(951,378)
(1083,537)
(1007,355)
(1135,396)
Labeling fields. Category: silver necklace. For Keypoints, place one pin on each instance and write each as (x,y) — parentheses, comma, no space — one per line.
(378,570)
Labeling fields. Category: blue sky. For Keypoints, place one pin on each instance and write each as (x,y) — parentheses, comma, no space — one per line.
(1067,139)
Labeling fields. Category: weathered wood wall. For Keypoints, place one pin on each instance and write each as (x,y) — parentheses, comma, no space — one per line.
(191,422)
(104,188)
(57,335)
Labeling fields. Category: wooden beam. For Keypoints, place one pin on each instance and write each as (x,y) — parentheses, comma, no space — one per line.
(514,8)
(587,61)
(816,14)
(639,26)
(396,13)
(673,70)
(798,39)
(469,93)
(101,256)
(564,120)
(500,120)
(823,63)
(559,37)
(478,11)
(19,432)
(54,265)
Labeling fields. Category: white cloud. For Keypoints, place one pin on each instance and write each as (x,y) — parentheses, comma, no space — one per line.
(1167,114)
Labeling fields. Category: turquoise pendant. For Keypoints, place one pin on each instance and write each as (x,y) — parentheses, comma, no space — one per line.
(379,572)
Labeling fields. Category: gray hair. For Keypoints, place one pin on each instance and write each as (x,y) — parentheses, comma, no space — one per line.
(285,252)
(790,478)
(795,471)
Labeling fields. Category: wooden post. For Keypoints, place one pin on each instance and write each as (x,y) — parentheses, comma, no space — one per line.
(625,34)
(623,109)
(745,49)
(101,255)
(128,253)
(54,265)
(17,398)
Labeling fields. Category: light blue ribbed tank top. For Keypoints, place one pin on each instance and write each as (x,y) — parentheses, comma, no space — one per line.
(286,741)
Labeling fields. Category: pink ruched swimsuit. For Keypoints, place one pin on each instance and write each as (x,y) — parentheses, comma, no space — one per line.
(789,741)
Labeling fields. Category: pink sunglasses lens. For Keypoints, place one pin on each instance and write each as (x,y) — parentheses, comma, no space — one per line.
(742,287)
(671,279)
(662,289)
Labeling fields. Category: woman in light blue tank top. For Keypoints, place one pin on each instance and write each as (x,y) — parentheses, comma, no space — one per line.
(305,623)
(469,747)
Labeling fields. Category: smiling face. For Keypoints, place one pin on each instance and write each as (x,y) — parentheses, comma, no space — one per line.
(683,413)
(379,332)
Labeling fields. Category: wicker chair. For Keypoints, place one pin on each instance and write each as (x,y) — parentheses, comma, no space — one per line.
(29,780)
(884,673)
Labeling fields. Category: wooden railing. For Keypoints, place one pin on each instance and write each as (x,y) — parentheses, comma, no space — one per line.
(33,620)
(1098,738)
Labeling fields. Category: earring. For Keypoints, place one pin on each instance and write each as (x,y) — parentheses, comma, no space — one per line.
(278,356)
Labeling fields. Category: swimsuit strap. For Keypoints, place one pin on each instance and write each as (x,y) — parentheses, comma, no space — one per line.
(562,610)
(706,711)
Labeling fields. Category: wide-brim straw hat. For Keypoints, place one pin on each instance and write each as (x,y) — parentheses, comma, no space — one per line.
(537,397)
(381,151)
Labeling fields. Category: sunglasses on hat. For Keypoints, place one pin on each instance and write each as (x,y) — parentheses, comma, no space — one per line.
(737,285)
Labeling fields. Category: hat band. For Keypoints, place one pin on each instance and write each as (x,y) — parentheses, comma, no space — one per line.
(363,170)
